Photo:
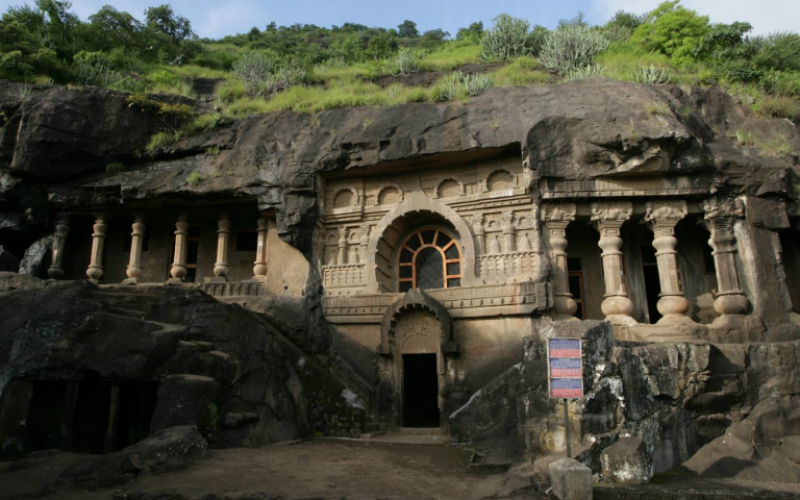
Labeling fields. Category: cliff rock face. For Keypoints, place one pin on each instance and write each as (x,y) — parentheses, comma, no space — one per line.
(249,386)
(57,143)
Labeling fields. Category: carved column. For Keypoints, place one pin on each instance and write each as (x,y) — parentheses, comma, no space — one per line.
(480,233)
(95,270)
(662,217)
(556,219)
(178,270)
(364,241)
(507,225)
(719,219)
(223,234)
(260,268)
(341,258)
(56,270)
(608,218)
(134,270)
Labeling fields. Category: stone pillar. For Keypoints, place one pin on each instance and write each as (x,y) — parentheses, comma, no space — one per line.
(509,239)
(364,243)
(178,271)
(341,258)
(662,217)
(134,270)
(56,270)
(260,268)
(608,218)
(223,233)
(719,219)
(556,219)
(480,233)
(95,270)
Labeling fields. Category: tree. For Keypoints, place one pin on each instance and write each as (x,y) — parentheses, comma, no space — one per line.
(408,29)
(724,42)
(628,20)
(672,30)
(510,37)
(117,28)
(163,20)
(472,34)
(381,45)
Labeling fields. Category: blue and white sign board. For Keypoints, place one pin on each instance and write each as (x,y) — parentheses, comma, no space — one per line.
(565,368)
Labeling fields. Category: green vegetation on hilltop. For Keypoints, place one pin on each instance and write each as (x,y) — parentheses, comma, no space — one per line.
(308,68)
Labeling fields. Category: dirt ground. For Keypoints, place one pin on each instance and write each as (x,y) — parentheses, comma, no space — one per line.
(320,468)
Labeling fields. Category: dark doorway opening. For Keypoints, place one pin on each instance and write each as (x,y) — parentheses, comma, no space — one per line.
(651,283)
(137,404)
(76,415)
(420,391)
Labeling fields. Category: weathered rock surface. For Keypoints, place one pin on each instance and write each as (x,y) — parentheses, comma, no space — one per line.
(235,367)
(169,449)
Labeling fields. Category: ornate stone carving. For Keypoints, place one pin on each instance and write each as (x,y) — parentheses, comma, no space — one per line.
(715,207)
(559,212)
(611,211)
(666,211)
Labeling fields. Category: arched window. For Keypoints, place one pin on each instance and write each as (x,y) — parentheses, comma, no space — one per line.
(343,198)
(500,181)
(429,258)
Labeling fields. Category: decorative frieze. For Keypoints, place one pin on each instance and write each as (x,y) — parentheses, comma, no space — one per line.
(347,275)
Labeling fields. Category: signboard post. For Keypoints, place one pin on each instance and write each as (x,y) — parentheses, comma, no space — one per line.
(565,375)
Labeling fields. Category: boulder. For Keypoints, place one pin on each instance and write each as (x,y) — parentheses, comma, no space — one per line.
(627,461)
(166,450)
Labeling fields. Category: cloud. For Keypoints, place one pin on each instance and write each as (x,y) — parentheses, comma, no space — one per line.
(765,16)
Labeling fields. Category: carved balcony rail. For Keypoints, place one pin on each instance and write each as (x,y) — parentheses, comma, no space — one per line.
(234,289)
(508,264)
(347,275)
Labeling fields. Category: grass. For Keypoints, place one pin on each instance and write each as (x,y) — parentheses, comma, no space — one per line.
(451,56)
(624,62)
(161,140)
(195,178)
(115,167)
(521,71)
(778,107)
(654,109)
(745,139)
(776,147)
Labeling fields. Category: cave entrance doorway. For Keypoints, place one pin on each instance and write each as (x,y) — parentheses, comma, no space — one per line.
(652,285)
(420,391)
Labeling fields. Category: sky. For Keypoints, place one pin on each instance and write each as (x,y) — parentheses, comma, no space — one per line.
(217,18)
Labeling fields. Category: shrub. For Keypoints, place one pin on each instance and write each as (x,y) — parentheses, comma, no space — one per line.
(581,73)
(778,51)
(652,75)
(477,83)
(571,47)
(447,87)
(510,37)
(254,67)
(405,62)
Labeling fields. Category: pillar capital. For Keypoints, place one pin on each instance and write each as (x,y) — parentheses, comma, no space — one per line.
(559,212)
(718,208)
(663,216)
(609,216)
